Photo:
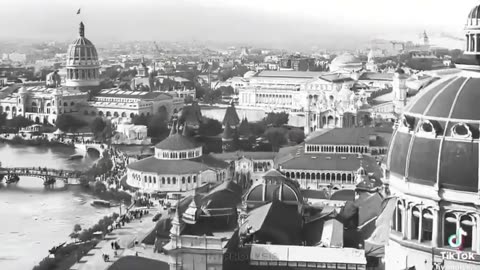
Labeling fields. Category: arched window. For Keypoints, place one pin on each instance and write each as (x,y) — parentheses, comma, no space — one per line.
(163,180)
(449,226)
(466,223)
(328,177)
(297,175)
(174,180)
(183,180)
(415,225)
(427,225)
(194,179)
(72,104)
(397,219)
(318,176)
(287,174)
(168,180)
(313,176)
(150,179)
(145,178)
(307,176)
(65,104)
(339,177)
(302,175)
(189,179)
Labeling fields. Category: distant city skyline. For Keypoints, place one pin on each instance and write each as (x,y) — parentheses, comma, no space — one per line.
(275,23)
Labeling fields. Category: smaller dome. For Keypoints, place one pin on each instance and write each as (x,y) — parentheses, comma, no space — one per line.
(345,94)
(57,91)
(346,58)
(176,142)
(474,13)
(22,90)
(361,171)
(249,74)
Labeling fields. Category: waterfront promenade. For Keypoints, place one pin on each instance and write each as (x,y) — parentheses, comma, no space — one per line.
(137,229)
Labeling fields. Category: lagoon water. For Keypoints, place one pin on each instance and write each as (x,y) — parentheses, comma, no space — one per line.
(252,115)
(35,219)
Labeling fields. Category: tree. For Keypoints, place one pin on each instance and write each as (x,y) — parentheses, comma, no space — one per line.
(296,136)
(210,127)
(157,125)
(76,231)
(213,96)
(68,123)
(257,128)
(19,122)
(200,91)
(140,120)
(3,119)
(97,126)
(99,187)
(244,128)
(276,119)
(226,90)
(276,137)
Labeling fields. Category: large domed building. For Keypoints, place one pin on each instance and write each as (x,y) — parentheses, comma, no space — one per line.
(346,62)
(82,62)
(433,169)
(178,164)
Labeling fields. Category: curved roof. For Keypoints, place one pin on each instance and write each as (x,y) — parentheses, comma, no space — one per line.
(346,58)
(437,141)
(249,74)
(81,51)
(177,142)
(474,13)
(165,167)
(275,187)
(343,195)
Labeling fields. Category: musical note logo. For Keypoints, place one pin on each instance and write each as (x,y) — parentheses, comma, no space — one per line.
(456,240)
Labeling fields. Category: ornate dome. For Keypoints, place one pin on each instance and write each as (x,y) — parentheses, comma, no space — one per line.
(177,141)
(274,187)
(436,142)
(346,61)
(22,90)
(473,16)
(82,62)
(249,74)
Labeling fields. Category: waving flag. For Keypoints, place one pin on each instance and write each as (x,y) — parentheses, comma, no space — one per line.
(78,12)
(382,230)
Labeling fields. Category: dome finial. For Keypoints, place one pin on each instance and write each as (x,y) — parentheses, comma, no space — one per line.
(82,29)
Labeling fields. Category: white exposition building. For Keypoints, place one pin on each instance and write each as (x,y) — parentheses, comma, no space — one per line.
(433,169)
(44,103)
(325,99)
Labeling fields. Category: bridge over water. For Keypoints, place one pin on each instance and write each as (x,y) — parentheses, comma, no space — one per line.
(49,176)
(84,147)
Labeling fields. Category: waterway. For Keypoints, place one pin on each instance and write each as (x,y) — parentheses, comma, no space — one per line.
(35,219)
(252,115)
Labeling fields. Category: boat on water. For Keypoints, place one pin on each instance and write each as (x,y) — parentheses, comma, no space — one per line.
(75,157)
(101,203)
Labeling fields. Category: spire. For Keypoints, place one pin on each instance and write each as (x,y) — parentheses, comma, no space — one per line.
(174,127)
(82,29)
(185,133)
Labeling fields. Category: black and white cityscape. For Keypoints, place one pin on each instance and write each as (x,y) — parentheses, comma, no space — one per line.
(240,134)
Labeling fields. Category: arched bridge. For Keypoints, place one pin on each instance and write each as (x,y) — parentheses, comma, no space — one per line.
(84,147)
(49,176)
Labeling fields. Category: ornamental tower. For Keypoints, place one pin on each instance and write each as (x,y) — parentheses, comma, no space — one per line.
(433,169)
(82,62)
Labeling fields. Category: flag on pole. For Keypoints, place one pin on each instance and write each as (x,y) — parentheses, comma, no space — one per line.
(382,224)
(78,12)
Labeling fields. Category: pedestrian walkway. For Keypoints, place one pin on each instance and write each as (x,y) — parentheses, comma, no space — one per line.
(125,237)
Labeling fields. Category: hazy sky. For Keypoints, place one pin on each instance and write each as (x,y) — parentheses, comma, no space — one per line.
(267,21)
